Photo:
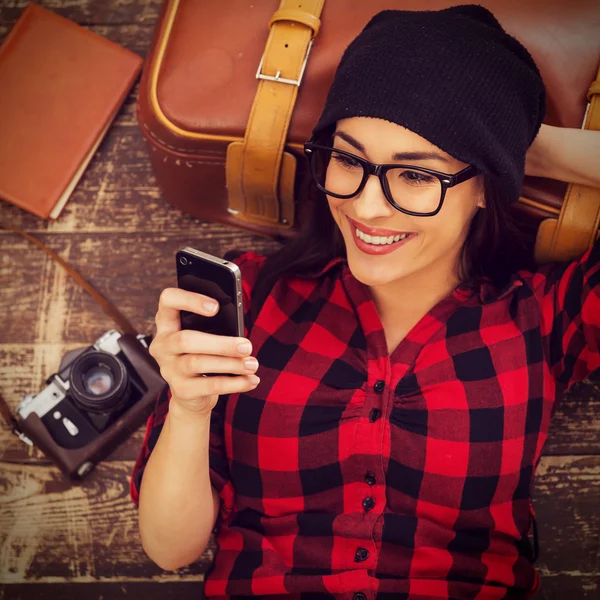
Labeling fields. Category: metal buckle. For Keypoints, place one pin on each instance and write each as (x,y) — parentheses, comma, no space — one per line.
(277,77)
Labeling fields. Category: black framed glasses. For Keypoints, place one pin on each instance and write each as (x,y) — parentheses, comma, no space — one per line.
(412,190)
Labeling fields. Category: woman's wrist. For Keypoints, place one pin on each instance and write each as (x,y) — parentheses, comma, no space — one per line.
(179,412)
(537,157)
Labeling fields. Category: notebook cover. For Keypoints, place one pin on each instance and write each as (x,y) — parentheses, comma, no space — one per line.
(61,86)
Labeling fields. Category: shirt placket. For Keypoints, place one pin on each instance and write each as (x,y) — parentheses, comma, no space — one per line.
(372,437)
(373,431)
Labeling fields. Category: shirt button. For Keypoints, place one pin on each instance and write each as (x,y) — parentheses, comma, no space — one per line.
(370,479)
(360,596)
(374,415)
(361,555)
(379,386)
(368,503)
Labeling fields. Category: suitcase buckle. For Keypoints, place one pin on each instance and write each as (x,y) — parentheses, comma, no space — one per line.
(277,77)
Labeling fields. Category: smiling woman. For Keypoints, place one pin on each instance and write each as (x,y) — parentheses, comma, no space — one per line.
(411,355)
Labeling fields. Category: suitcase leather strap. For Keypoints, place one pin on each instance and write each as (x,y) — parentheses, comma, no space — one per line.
(577,225)
(260,174)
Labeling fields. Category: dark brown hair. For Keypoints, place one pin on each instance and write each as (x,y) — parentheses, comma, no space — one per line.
(496,246)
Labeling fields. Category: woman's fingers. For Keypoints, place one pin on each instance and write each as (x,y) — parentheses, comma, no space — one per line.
(188,341)
(198,388)
(196,364)
(174,300)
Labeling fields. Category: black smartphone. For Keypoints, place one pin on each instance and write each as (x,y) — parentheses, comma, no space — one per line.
(215,277)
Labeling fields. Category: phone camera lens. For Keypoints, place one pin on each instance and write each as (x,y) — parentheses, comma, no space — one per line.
(183,260)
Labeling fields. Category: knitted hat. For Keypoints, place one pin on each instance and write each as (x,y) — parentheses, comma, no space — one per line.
(454,77)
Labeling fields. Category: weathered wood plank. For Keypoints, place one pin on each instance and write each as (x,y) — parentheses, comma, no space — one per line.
(170,590)
(566,498)
(576,586)
(89,12)
(54,531)
(135,37)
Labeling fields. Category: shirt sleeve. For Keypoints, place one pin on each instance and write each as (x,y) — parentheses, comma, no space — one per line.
(569,295)
(249,264)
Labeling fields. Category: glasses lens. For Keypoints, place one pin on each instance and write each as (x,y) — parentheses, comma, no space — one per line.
(335,172)
(416,191)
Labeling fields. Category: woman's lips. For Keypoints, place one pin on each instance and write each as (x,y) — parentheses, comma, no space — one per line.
(379,248)
(374,230)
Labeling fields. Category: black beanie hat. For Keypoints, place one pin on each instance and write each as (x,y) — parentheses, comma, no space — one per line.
(454,77)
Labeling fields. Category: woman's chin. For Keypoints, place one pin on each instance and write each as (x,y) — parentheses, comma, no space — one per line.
(372,270)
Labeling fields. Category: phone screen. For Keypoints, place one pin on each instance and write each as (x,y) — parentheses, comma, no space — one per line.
(217,281)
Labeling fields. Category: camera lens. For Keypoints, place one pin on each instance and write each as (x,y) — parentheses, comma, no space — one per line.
(99,382)
(183,260)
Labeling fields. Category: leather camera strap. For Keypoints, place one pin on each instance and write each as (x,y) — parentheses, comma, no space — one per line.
(577,225)
(260,174)
(107,306)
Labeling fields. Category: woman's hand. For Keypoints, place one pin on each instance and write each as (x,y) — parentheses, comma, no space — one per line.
(185,355)
(566,154)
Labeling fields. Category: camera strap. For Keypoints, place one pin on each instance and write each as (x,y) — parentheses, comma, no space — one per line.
(106,305)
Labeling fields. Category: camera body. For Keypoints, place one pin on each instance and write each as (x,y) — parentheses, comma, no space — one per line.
(97,398)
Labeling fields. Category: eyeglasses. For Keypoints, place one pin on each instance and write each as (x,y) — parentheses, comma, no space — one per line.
(412,190)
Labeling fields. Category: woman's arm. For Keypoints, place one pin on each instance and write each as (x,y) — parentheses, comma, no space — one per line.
(178,507)
(566,154)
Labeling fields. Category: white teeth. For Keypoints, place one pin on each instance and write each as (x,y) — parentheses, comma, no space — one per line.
(378,240)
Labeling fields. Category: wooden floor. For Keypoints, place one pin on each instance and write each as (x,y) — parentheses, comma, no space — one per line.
(62,540)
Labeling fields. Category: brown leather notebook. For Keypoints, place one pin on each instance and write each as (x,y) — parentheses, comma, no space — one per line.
(61,86)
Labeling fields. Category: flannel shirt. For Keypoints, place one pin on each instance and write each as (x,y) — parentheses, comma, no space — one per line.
(351,473)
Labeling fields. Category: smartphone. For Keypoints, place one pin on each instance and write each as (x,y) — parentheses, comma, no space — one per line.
(215,277)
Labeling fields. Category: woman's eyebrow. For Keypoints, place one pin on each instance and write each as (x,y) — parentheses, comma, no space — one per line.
(398,155)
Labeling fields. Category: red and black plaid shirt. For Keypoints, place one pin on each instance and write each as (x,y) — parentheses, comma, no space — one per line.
(350,473)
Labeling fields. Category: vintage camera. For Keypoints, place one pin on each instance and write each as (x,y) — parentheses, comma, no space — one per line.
(98,397)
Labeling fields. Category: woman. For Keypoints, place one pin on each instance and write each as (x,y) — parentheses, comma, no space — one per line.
(409,365)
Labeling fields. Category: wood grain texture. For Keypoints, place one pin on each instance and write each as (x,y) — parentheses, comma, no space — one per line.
(52,529)
(89,12)
(167,590)
(62,540)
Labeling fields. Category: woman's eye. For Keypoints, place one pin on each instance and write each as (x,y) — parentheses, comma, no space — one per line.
(416,177)
(345,161)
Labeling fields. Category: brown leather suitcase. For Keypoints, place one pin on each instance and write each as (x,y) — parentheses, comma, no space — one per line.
(232,89)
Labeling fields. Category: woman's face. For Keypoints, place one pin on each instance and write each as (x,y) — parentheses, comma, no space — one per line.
(433,248)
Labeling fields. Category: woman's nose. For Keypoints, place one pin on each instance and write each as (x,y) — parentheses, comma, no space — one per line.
(371,202)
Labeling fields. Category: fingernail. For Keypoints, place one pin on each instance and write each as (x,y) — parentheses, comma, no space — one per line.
(254,379)
(210,306)
(244,348)
(251,364)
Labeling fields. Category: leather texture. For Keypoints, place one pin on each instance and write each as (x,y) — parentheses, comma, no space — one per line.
(62,85)
(199,88)
(257,192)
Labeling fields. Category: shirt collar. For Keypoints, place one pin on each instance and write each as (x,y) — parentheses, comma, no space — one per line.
(488,292)
(330,265)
